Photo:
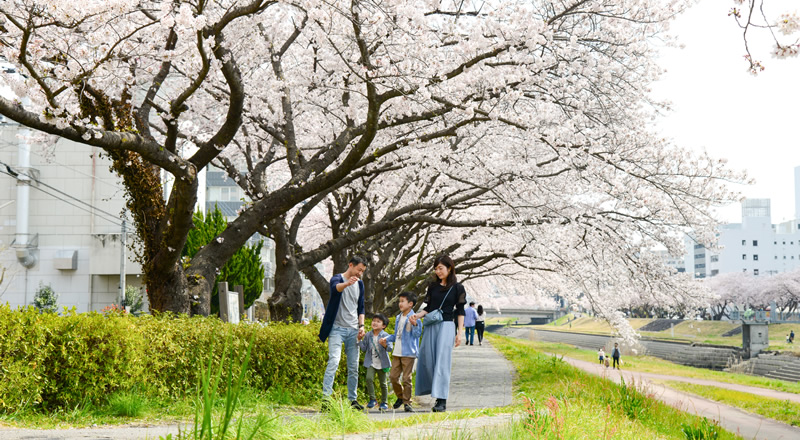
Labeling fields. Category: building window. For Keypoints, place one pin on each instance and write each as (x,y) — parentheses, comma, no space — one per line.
(774,242)
(714,272)
(784,257)
(744,270)
(755,271)
(776,257)
(714,258)
(755,257)
(755,242)
(784,242)
(744,256)
(744,242)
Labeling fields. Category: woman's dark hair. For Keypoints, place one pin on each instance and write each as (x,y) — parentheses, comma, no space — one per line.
(410,297)
(480,309)
(446,261)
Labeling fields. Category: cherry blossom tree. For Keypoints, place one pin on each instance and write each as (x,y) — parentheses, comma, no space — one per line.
(535,112)
(783,28)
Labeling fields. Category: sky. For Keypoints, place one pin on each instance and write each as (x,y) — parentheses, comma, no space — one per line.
(718,106)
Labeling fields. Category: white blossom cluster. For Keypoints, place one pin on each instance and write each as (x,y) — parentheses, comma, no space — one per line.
(527,119)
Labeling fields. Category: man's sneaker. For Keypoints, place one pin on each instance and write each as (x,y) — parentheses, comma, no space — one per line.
(383,407)
(408,408)
(397,403)
(441,405)
(356,406)
(372,403)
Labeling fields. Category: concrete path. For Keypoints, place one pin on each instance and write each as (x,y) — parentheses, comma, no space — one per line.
(748,425)
(481,378)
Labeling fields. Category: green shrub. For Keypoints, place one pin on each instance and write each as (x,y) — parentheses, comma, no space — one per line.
(45,299)
(244,268)
(127,404)
(702,430)
(134,298)
(49,361)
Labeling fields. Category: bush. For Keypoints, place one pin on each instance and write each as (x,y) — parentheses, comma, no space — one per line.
(45,300)
(134,298)
(49,361)
(244,268)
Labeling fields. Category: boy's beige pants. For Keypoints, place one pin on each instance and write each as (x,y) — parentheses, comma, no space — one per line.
(404,365)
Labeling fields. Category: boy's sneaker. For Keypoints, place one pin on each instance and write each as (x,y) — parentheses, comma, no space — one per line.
(356,406)
(372,403)
(384,407)
(408,408)
(398,403)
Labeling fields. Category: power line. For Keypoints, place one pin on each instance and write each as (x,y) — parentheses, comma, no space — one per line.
(92,209)
(14,173)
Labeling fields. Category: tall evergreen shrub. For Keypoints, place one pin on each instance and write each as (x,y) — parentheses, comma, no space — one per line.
(243,268)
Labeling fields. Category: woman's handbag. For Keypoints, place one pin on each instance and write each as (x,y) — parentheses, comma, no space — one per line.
(435,316)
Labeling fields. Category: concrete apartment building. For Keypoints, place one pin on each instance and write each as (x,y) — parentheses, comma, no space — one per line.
(755,246)
(62,226)
(60,223)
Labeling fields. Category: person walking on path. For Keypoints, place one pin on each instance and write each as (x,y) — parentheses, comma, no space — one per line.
(376,359)
(406,344)
(470,319)
(791,337)
(343,324)
(444,294)
(615,356)
(480,324)
(602,355)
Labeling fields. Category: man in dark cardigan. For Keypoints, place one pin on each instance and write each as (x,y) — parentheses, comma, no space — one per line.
(343,324)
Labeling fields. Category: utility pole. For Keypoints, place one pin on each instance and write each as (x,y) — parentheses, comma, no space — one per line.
(123,241)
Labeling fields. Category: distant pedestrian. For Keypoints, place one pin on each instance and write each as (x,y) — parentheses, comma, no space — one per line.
(480,324)
(791,337)
(615,356)
(601,355)
(435,357)
(470,318)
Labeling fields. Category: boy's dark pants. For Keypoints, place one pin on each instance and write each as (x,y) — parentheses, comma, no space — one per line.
(371,383)
(404,365)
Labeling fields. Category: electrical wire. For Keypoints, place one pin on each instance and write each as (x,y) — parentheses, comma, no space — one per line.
(11,171)
(91,208)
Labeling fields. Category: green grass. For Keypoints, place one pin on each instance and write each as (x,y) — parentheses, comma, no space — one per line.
(785,411)
(562,401)
(649,364)
(553,400)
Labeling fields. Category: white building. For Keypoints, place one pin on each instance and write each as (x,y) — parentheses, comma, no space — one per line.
(60,223)
(755,246)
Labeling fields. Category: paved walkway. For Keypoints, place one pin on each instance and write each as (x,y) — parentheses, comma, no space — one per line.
(748,425)
(481,378)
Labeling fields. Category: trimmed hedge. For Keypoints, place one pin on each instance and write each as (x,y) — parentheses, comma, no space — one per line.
(49,361)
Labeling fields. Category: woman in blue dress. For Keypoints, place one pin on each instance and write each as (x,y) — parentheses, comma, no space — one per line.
(436,347)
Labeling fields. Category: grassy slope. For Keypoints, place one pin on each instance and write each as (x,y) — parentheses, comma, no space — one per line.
(783,410)
(706,332)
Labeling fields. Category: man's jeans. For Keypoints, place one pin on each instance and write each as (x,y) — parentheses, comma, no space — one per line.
(348,336)
(469,335)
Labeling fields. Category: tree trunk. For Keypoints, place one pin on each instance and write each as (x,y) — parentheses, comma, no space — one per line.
(167,291)
(286,303)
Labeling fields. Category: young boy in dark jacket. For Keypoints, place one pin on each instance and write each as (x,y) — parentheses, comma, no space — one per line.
(376,359)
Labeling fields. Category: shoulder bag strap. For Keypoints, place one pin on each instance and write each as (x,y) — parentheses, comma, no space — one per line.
(445,297)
